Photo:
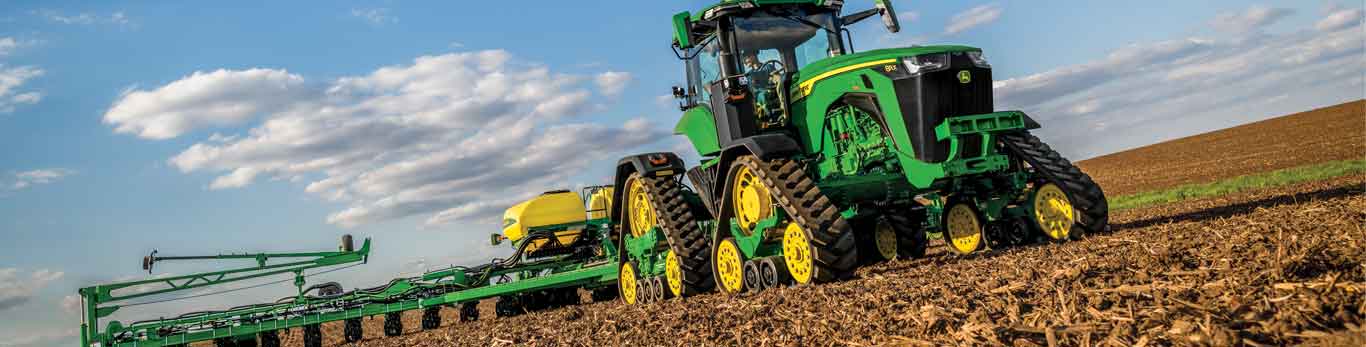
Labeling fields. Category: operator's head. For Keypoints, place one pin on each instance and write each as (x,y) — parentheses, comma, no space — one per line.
(750,59)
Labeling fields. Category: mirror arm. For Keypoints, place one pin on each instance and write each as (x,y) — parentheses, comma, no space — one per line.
(858,16)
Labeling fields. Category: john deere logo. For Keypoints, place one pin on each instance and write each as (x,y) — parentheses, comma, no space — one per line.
(964,77)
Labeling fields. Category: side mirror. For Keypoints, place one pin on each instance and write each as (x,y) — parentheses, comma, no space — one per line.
(683,30)
(888,16)
(679,93)
(496,239)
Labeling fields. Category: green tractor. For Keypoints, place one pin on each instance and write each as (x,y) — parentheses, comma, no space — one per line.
(816,159)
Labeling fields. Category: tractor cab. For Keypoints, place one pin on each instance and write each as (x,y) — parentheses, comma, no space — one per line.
(740,56)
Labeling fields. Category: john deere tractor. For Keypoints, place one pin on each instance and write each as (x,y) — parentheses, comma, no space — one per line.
(817,158)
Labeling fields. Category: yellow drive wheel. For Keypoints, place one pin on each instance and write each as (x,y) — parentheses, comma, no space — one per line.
(884,237)
(673,273)
(626,280)
(1053,212)
(963,229)
(729,266)
(797,254)
(751,198)
(642,214)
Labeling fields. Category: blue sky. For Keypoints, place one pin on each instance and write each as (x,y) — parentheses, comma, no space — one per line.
(205,127)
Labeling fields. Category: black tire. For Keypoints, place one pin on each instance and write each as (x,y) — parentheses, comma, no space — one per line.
(507,306)
(832,238)
(270,338)
(393,324)
(431,318)
(352,330)
(685,238)
(469,311)
(1085,195)
(313,335)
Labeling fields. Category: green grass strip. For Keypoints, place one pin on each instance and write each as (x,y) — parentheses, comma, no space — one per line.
(1280,177)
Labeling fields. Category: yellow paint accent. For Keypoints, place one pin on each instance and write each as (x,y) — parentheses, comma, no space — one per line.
(1053,212)
(797,254)
(662,173)
(751,199)
(729,266)
(964,229)
(626,279)
(673,273)
(884,237)
(600,204)
(804,88)
(547,209)
(638,204)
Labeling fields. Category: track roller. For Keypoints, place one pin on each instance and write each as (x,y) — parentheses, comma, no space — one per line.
(751,275)
(431,318)
(353,330)
(962,227)
(730,264)
(393,324)
(469,311)
(772,272)
(313,335)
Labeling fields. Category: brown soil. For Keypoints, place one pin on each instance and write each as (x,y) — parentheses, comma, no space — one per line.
(1326,134)
(1269,267)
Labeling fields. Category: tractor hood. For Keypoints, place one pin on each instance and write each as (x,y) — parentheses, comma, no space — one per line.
(828,67)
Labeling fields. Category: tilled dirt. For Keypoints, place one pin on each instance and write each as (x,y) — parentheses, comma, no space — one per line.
(1270,267)
(1326,134)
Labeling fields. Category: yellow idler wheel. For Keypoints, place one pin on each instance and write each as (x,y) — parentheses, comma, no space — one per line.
(884,238)
(797,254)
(673,273)
(626,280)
(1053,212)
(730,265)
(963,228)
(642,214)
(752,200)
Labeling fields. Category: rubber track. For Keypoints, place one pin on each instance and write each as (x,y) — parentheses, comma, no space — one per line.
(1085,194)
(836,251)
(685,238)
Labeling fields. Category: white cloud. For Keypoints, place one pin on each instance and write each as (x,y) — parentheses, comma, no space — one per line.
(1148,92)
(1339,19)
(972,18)
(49,337)
(71,303)
(84,18)
(204,99)
(25,179)
(16,289)
(7,45)
(446,136)
(374,16)
(1253,18)
(10,81)
(612,83)
(908,16)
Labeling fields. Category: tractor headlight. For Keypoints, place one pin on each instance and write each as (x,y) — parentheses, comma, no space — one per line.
(978,59)
(926,62)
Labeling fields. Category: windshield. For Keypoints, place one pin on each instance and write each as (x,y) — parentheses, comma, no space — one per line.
(788,36)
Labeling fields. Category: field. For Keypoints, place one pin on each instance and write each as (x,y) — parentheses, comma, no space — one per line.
(1284,265)
(1322,135)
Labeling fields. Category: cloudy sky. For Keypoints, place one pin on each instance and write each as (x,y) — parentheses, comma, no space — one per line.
(206,128)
